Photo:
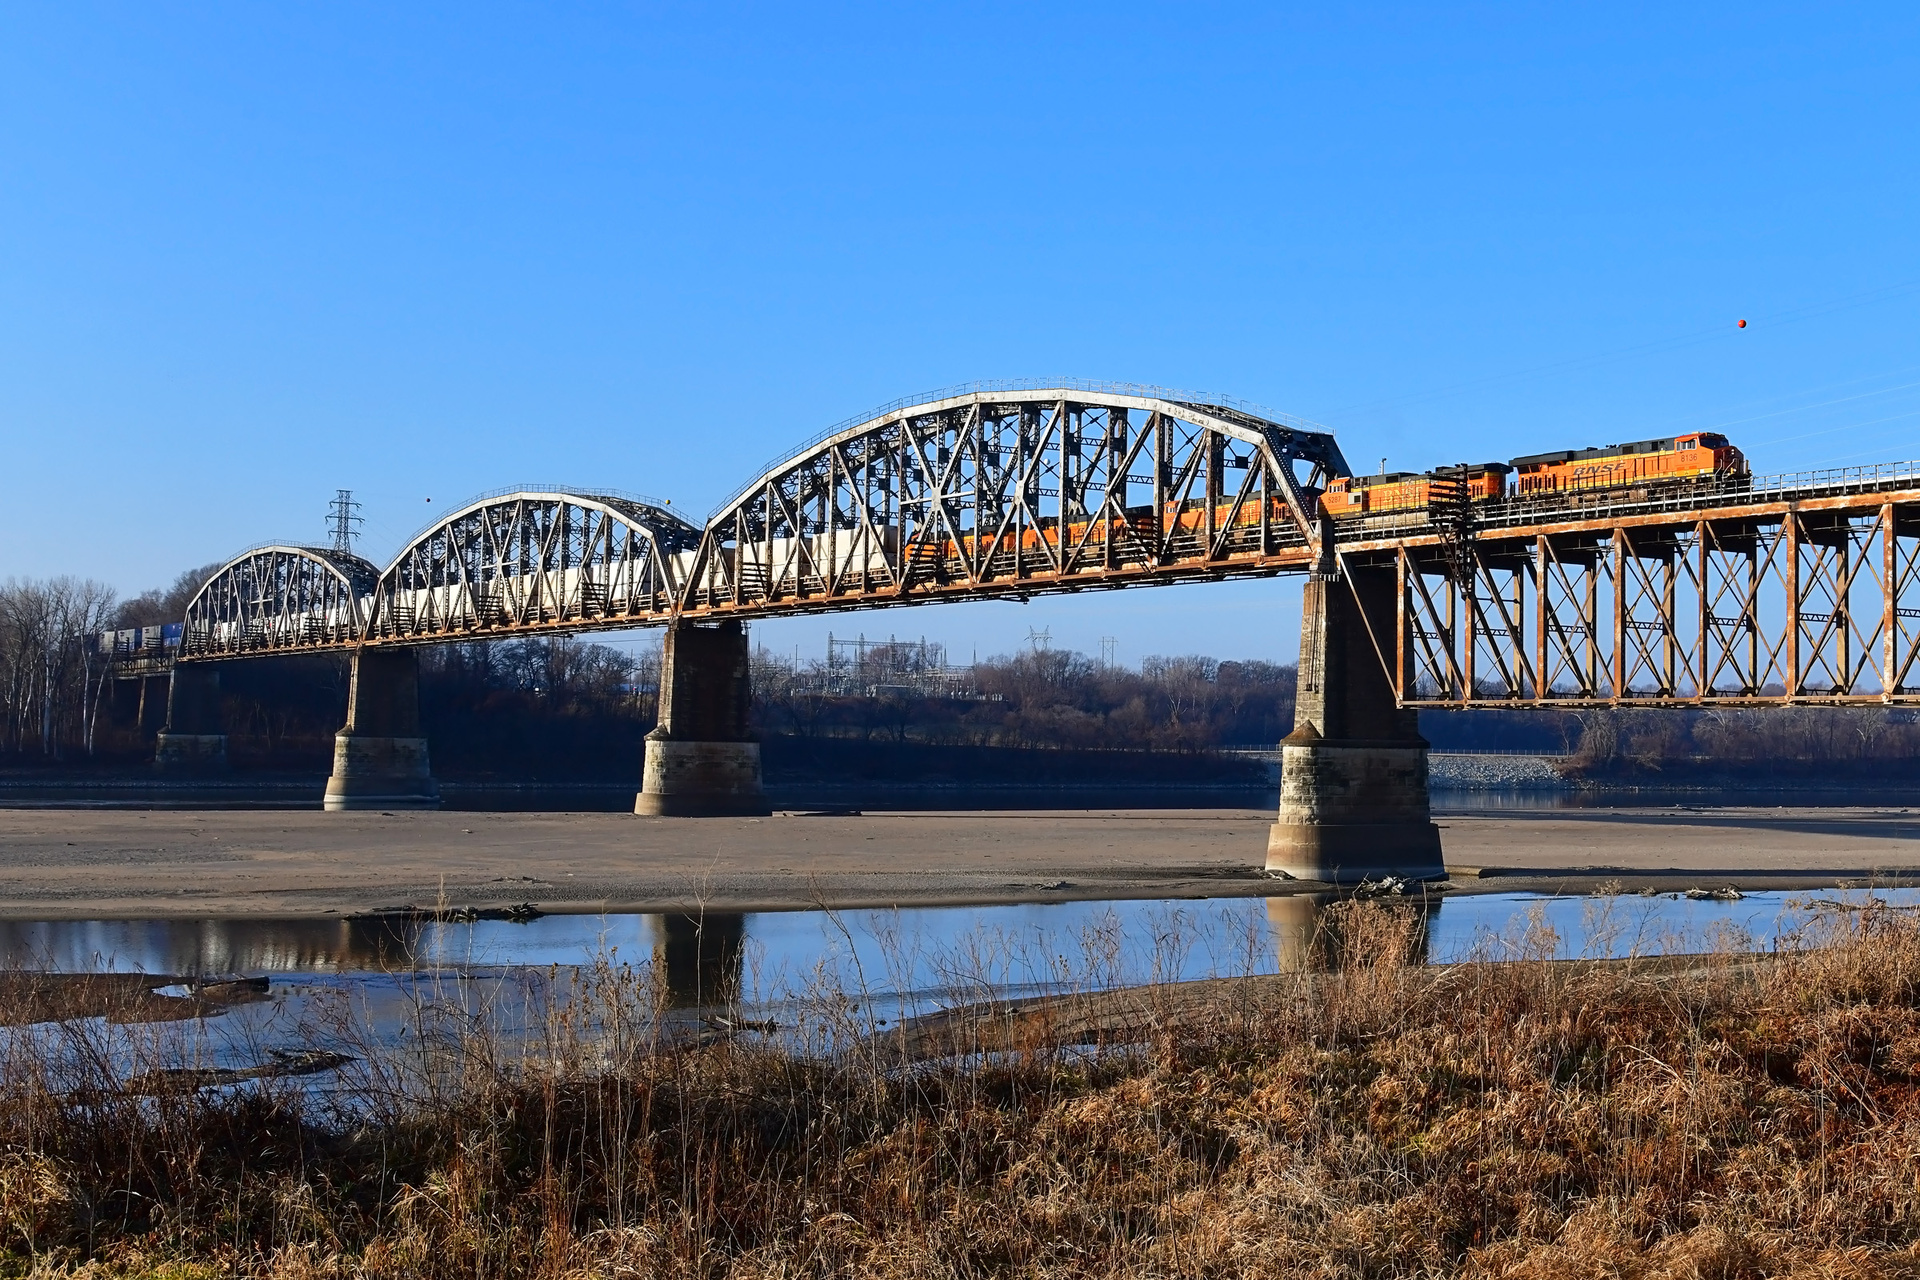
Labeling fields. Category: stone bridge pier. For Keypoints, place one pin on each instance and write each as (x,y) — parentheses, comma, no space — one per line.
(193,740)
(380,758)
(1353,773)
(702,761)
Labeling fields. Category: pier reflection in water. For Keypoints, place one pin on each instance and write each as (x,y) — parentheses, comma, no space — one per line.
(699,957)
(1317,931)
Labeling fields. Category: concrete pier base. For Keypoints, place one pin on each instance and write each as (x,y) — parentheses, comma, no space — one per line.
(1353,811)
(1353,773)
(702,762)
(380,773)
(380,759)
(192,740)
(700,780)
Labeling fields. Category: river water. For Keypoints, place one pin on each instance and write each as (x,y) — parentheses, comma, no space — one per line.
(919,949)
(369,989)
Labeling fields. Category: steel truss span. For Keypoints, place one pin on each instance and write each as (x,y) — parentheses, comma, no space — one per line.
(279,600)
(1016,492)
(1765,601)
(526,562)
(512,564)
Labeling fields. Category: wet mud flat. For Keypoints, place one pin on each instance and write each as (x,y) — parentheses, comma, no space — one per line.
(28,996)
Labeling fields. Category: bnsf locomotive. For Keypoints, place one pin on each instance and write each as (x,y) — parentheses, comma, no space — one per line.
(1642,468)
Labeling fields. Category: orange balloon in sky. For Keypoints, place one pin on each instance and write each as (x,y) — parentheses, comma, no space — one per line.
(1743,324)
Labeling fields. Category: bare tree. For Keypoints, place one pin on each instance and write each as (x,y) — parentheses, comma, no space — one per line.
(51,676)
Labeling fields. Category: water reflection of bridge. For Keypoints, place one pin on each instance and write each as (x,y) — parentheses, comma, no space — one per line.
(698,958)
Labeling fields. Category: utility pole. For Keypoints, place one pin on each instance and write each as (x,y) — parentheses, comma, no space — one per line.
(343,520)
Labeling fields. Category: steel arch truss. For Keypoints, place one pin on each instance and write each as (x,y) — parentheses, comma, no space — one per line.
(1016,492)
(1798,606)
(529,562)
(279,599)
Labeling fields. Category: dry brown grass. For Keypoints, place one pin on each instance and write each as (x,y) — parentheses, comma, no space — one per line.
(1723,1118)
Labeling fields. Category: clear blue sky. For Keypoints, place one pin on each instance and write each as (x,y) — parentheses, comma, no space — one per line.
(250,254)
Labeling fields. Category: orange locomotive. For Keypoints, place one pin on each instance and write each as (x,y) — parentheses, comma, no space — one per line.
(1703,455)
(1636,468)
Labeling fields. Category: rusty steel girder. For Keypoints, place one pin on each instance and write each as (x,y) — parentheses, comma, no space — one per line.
(1764,595)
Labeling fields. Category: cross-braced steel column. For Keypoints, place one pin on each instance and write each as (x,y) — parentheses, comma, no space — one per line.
(380,758)
(193,739)
(1353,773)
(702,760)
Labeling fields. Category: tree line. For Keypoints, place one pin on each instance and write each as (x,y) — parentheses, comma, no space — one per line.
(1043,698)
(56,703)
(1625,741)
(51,679)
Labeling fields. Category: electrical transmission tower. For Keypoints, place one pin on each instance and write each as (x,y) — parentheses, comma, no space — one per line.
(343,520)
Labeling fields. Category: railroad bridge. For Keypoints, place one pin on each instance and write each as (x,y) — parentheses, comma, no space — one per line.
(1748,591)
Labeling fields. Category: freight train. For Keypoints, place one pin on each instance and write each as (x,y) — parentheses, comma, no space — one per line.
(1619,472)
(1643,468)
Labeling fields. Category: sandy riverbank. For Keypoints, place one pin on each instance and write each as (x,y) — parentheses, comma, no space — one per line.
(57,864)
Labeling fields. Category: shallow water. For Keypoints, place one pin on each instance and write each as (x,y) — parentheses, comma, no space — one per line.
(373,988)
(918,948)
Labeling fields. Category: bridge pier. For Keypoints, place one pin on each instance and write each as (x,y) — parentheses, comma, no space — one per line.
(701,760)
(1353,773)
(380,758)
(193,740)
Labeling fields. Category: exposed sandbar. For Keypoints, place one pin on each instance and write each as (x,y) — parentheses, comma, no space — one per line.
(68,864)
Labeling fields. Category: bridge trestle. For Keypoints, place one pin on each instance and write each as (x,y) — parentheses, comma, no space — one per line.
(1814,601)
